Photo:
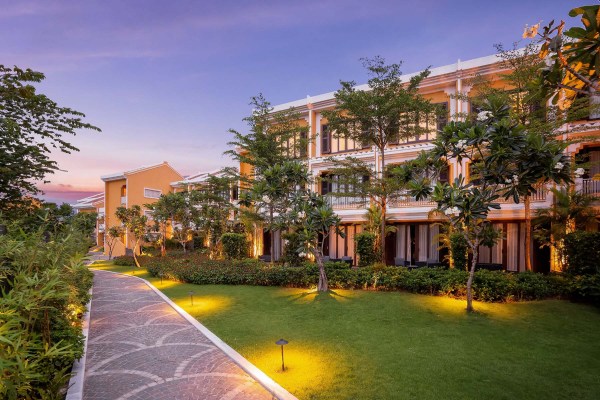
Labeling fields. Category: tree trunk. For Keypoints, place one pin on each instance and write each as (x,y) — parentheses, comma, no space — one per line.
(271,246)
(475,251)
(322,286)
(528,233)
(137,264)
(383,206)
(163,244)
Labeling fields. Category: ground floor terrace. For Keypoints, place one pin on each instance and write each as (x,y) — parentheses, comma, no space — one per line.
(420,243)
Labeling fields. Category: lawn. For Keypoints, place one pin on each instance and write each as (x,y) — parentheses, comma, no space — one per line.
(392,345)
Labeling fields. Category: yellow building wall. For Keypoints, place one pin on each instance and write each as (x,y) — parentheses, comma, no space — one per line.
(112,200)
(158,178)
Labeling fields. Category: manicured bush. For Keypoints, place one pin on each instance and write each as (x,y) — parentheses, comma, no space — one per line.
(583,253)
(365,248)
(235,245)
(493,286)
(125,261)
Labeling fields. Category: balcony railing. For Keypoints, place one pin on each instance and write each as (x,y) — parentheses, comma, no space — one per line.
(347,203)
(406,200)
(123,200)
(591,187)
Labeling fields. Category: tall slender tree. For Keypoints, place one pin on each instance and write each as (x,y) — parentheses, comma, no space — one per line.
(388,111)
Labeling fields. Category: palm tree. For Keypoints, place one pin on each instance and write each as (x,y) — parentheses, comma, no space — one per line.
(570,211)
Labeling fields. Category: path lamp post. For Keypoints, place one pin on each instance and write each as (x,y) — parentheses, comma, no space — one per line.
(192,298)
(161,278)
(282,342)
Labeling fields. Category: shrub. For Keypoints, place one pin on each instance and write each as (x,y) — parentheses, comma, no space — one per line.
(488,286)
(235,245)
(291,255)
(365,248)
(586,288)
(125,261)
(583,253)
(45,290)
(458,251)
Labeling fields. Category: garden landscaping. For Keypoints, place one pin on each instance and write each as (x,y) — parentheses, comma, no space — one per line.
(380,344)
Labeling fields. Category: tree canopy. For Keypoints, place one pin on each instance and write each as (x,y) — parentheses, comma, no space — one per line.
(31,126)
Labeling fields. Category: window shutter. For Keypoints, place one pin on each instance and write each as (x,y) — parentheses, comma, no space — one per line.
(325,139)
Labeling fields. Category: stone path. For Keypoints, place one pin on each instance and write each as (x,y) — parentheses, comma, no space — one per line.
(139,347)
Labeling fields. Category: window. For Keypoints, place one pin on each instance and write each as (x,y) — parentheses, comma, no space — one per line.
(152,193)
(123,190)
(303,144)
(148,214)
(442,117)
(326,184)
(325,139)
(445,174)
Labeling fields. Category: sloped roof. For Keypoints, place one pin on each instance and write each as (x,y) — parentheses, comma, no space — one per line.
(122,175)
(88,202)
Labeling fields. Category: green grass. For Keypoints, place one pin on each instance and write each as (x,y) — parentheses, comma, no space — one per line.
(377,345)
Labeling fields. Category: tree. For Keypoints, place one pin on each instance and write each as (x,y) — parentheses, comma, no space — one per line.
(31,126)
(85,222)
(525,93)
(163,212)
(505,160)
(273,138)
(113,234)
(313,220)
(574,67)
(214,209)
(388,112)
(273,192)
(185,207)
(135,223)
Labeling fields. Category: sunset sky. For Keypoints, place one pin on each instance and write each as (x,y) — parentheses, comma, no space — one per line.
(165,80)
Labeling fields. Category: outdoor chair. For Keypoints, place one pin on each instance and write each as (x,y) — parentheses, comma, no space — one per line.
(265,258)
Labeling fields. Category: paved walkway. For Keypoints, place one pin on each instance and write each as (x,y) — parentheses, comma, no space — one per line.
(139,347)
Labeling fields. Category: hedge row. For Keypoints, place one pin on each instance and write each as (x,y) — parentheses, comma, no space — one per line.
(491,286)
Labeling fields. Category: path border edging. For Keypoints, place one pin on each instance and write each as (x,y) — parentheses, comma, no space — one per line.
(263,379)
(75,389)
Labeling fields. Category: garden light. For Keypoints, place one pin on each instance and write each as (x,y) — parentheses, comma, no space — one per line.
(282,342)
(192,298)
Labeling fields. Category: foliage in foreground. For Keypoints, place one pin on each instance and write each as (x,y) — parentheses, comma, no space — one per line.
(44,292)
(490,286)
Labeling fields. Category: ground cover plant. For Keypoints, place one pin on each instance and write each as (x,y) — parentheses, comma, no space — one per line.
(396,345)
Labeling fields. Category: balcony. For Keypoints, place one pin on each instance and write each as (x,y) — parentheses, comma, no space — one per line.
(590,187)
(347,203)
